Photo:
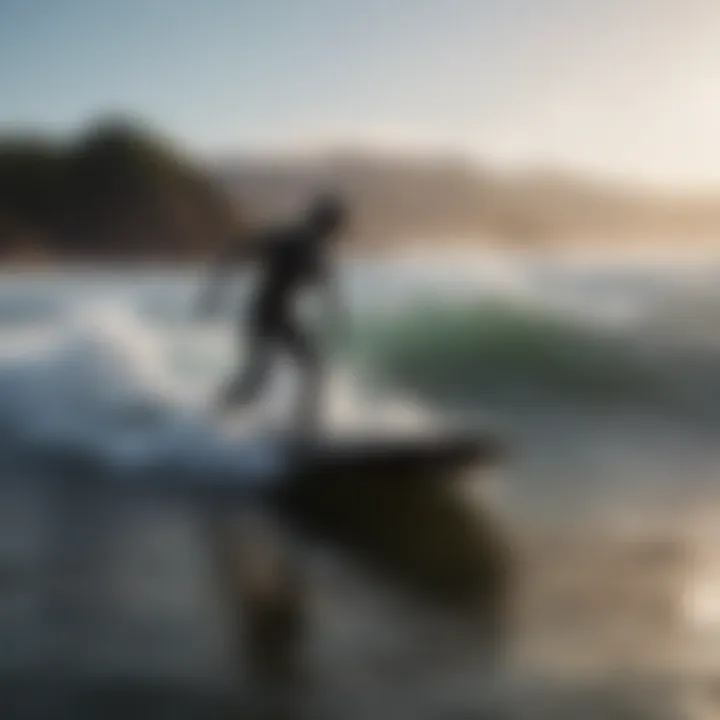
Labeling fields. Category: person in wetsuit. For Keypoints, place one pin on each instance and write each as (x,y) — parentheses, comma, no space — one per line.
(290,259)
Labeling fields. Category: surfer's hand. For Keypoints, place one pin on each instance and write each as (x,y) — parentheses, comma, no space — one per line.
(337,326)
(206,306)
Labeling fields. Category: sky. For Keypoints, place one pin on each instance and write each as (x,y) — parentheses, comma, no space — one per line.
(622,88)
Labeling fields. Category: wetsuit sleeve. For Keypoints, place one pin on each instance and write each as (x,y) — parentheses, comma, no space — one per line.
(335,311)
(240,251)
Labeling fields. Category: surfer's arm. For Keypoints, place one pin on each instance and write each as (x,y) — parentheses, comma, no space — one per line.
(239,252)
(335,309)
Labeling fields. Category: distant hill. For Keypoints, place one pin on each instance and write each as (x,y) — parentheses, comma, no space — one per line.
(399,200)
(116,192)
(120,192)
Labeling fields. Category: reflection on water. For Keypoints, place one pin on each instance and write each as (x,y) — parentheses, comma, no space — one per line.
(611,612)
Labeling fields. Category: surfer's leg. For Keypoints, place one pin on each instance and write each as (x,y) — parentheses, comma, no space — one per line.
(310,402)
(245,386)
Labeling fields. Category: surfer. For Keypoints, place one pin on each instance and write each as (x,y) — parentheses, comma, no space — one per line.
(290,259)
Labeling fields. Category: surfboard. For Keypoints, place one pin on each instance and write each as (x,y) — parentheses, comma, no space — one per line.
(394,455)
(259,463)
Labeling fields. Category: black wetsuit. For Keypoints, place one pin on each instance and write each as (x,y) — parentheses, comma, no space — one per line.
(289,260)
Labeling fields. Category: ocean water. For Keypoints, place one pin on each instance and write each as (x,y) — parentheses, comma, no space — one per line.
(600,374)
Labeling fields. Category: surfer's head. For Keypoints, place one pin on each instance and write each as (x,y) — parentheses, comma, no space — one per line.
(327,214)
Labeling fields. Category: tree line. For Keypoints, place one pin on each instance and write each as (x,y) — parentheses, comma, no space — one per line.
(116,191)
